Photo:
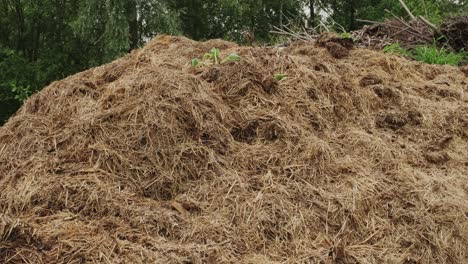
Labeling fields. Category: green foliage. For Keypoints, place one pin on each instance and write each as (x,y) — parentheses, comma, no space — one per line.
(111,28)
(346,35)
(346,12)
(433,55)
(395,48)
(21,92)
(16,74)
(213,55)
(232,57)
(42,41)
(206,19)
(429,54)
(280,76)
(195,62)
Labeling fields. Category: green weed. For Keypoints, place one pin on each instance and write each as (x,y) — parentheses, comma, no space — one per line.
(429,54)
(21,92)
(232,57)
(346,35)
(195,62)
(214,57)
(433,55)
(395,48)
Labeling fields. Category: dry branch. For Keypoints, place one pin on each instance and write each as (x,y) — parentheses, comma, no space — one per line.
(432,26)
(407,9)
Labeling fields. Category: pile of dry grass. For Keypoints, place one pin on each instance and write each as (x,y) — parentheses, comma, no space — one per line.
(145,160)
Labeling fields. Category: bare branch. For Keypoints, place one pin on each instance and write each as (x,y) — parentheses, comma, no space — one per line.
(407,9)
(429,24)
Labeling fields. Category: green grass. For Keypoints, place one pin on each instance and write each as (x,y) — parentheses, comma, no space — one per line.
(346,35)
(395,48)
(433,55)
(429,54)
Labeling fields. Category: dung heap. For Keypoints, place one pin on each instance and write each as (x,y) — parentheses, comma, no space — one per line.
(362,159)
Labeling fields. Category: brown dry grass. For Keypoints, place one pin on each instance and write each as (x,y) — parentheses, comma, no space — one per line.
(145,160)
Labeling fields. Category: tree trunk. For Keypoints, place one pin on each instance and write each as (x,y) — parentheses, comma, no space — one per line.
(20,19)
(36,41)
(132,17)
(281,15)
(312,13)
(352,15)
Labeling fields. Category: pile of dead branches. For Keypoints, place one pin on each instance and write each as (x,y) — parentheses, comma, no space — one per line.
(455,31)
(417,30)
(407,33)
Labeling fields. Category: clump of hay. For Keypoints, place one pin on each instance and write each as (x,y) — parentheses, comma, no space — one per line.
(145,160)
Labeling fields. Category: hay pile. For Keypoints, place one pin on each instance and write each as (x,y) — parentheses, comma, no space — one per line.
(145,160)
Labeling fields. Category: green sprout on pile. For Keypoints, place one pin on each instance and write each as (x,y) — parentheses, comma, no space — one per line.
(214,57)
(232,57)
(280,76)
(195,62)
(346,35)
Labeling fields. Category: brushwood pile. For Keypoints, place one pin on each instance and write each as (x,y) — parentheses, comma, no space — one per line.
(356,156)
(452,34)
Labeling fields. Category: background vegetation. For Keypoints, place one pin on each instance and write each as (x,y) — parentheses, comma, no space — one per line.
(45,40)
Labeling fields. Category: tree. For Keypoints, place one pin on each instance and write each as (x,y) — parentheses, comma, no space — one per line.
(114,27)
(202,19)
(46,40)
(36,47)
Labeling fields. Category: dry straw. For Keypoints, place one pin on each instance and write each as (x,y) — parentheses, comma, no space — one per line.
(145,160)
